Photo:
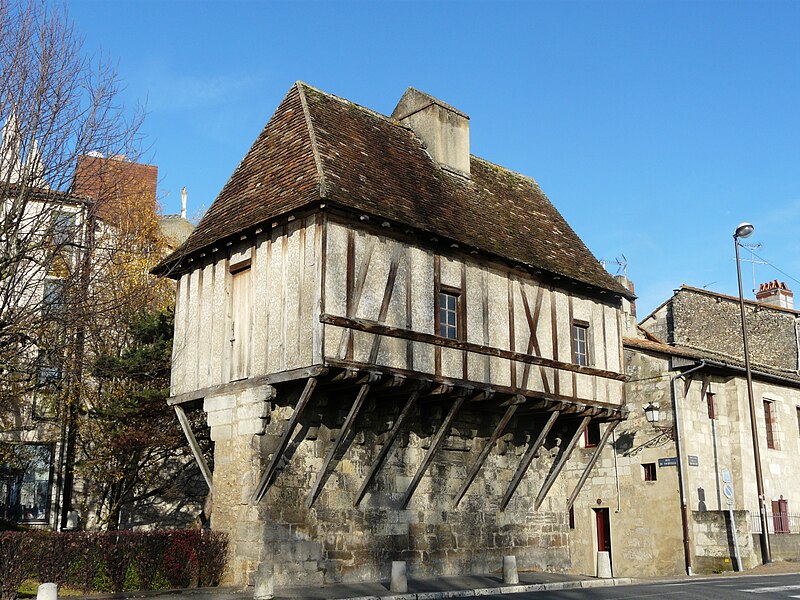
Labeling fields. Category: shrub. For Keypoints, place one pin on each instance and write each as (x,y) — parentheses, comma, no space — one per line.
(111,561)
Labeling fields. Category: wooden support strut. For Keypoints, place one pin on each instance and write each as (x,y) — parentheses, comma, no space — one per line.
(565,454)
(345,430)
(266,478)
(387,445)
(437,441)
(592,461)
(498,431)
(526,460)
(195,447)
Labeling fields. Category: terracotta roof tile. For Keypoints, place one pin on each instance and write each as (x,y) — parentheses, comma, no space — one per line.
(370,163)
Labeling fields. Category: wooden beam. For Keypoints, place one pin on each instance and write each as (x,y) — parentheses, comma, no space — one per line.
(526,460)
(498,431)
(562,460)
(592,461)
(441,385)
(343,433)
(302,402)
(437,441)
(195,447)
(371,326)
(353,298)
(533,341)
(387,297)
(237,386)
(387,446)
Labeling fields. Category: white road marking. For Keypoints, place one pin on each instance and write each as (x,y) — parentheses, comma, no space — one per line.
(770,590)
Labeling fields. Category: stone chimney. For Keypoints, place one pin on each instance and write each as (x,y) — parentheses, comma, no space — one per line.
(184,194)
(628,308)
(443,129)
(775,293)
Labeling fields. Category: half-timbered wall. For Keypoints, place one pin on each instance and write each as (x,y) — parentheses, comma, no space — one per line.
(374,283)
(248,311)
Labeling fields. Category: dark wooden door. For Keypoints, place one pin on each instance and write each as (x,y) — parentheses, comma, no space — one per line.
(603,530)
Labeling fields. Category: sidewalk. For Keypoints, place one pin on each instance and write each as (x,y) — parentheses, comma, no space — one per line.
(437,588)
(418,589)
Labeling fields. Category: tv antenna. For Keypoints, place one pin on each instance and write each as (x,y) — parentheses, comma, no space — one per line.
(621,263)
(753,246)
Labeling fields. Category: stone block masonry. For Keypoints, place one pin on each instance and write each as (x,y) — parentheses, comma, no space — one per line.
(334,541)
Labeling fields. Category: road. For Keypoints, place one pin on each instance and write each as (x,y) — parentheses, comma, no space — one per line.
(724,588)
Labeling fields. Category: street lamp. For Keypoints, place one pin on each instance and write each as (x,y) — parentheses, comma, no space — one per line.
(742,231)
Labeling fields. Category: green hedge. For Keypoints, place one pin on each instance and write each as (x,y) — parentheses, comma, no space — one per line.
(111,561)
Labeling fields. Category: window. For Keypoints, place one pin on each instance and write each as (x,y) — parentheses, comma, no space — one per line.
(63,228)
(53,297)
(649,471)
(580,343)
(449,311)
(45,398)
(769,423)
(572,517)
(591,435)
(798,418)
(710,404)
(25,482)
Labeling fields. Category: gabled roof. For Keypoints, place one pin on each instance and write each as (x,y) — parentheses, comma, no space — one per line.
(321,147)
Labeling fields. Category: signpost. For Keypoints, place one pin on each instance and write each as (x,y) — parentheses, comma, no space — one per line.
(727,490)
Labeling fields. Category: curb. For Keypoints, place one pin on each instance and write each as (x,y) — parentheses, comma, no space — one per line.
(506,589)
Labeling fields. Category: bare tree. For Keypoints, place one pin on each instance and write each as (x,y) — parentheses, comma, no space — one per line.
(57,104)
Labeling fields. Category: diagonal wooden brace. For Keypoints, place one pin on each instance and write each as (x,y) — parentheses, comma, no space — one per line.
(526,460)
(498,431)
(348,425)
(437,441)
(562,461)
(195,447)
(302,403)
(595,455)
(387,445)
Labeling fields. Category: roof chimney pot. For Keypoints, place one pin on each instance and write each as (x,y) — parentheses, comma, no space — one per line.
(775,293)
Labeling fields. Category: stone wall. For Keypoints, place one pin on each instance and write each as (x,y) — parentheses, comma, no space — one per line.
(713,322)
(332,540)
(714,549)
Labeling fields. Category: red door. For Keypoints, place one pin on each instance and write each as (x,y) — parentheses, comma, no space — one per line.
(603,530)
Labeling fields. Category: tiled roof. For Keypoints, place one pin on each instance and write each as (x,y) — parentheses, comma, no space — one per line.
(321,147)
(717,359)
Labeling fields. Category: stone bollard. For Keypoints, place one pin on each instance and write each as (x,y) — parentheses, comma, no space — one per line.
(47,591)
(399,582)
(263,581)
(604,565)
(510,575)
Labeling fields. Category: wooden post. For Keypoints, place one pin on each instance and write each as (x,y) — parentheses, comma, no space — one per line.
(592,461)
(526,460)
(437,441)
(305,396)
(387,445)
(348,424)
(565,454)
(498,431)
(195,447)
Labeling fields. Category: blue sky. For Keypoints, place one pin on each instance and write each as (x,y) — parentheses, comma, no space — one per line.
(654,127)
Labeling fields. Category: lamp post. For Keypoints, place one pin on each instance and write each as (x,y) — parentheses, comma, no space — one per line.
(742,231)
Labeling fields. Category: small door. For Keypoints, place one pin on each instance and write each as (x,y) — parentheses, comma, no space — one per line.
(780,515)
(241,317)
(603,530)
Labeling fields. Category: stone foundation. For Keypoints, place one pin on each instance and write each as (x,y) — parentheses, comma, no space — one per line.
(333,541)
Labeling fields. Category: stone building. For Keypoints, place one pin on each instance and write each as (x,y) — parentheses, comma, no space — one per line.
(397,344)
(686,359)
(49,273)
